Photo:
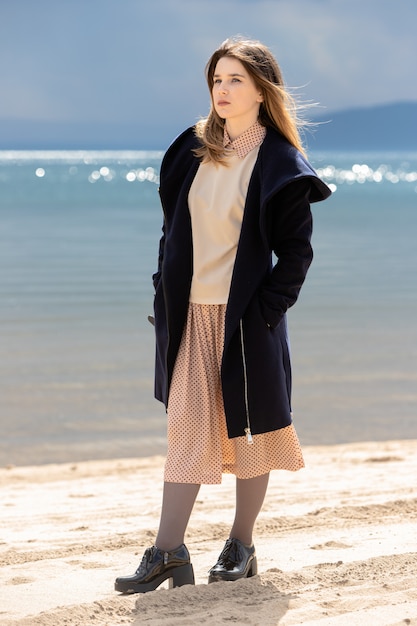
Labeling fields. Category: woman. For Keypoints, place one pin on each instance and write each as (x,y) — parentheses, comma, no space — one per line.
(234,189)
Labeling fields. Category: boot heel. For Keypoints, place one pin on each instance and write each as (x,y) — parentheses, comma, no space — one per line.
(183,575)
(253,570)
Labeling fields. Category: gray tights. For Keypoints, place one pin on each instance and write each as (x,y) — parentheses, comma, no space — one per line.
(178,502)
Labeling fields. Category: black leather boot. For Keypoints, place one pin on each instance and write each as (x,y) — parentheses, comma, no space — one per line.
(155,567)
(235,561)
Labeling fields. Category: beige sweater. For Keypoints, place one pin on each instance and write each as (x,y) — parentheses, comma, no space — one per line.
(216,201)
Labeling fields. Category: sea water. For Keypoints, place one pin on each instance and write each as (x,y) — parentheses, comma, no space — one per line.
(79,236)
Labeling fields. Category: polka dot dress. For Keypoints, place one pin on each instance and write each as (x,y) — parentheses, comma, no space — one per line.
(199,449)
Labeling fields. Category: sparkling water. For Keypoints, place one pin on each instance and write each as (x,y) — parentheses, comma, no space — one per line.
(79,238)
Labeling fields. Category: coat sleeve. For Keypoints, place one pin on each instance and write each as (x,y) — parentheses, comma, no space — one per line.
(175,165)
(289,225)
(156,277)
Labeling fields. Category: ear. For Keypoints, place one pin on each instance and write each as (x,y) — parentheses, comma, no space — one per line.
(260,98)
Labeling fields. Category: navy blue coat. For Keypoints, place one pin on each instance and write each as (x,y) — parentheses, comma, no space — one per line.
(256,369)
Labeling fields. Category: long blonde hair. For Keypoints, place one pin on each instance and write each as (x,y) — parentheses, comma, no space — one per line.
(277,110)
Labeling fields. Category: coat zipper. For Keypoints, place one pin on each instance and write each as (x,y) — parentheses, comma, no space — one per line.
(245,379)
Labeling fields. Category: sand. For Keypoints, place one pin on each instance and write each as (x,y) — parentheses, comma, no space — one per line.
(336,543)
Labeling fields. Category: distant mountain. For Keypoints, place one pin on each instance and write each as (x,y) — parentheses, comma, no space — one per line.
(384,127)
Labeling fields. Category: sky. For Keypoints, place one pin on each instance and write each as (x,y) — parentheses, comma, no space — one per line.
(142,61)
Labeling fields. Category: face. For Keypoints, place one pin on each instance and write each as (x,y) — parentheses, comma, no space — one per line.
(236,98)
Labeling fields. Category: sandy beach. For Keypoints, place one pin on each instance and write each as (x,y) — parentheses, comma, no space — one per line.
(336,543)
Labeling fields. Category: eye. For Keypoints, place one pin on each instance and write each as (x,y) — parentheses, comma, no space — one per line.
(216,81)
(236,80)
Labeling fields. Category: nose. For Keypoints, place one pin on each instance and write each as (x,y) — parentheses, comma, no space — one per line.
(221,88)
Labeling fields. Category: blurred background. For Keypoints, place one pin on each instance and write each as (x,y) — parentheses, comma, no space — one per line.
(105,73)
(92,93)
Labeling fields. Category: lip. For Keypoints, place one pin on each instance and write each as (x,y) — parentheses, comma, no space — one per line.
(222,103)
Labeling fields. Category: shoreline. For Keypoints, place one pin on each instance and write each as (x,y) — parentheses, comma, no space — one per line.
(335,543)
(129,449)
